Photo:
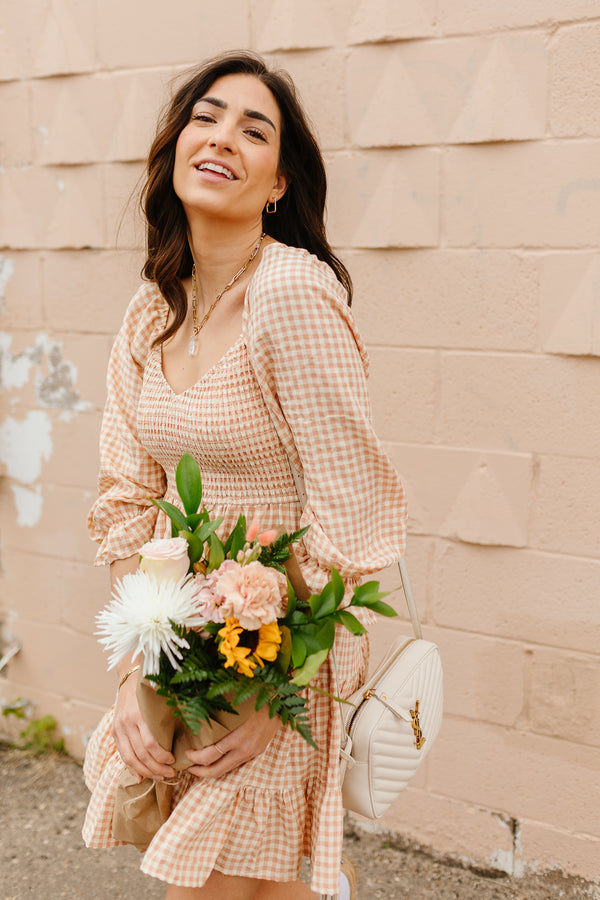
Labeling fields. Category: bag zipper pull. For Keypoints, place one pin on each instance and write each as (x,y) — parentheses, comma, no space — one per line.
(397,711)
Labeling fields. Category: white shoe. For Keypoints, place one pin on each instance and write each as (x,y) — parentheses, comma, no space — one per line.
(347,880)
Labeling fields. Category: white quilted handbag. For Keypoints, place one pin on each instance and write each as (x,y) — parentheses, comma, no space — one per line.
(392,721)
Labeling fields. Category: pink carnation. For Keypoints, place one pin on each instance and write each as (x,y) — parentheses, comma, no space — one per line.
(254,594)
(206,598)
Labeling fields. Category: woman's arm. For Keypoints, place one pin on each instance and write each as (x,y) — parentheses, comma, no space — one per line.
(123,517)
(138,749)
(311,365)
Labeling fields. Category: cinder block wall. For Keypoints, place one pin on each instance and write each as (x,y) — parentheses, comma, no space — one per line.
(463,145)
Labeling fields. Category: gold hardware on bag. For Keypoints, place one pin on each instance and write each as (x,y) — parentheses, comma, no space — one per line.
(368,694)
(416,726)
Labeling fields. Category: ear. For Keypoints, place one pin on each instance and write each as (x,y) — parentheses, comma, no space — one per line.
(280,186)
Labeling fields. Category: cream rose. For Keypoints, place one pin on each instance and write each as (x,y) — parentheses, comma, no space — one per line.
(166,559)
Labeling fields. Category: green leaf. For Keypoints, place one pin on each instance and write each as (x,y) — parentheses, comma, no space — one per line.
(339,588)
(175,514)
(326,635)
(310,668)
(189,483)
(366,593)
(278,552)
(370,596)
(195,546)
(323,604)
(284,657)
(195,520)
(217,554)
(384,609)
(298,650)
(244,692)
(349,621)
(14,709)
(310,636)
(291,602)
(236,540)
(261,699)
(296,535)
(205,531)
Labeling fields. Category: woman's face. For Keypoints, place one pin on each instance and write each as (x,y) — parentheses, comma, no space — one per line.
(227,156)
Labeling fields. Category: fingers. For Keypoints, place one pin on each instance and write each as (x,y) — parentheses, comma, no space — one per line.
(140,756)
(139,750)
(236,748)
(159,756)
(149,755)
(208,756)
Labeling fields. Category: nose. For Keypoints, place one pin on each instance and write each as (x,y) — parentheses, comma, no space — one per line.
(222,137)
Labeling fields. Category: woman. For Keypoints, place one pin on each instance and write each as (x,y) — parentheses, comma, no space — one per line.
(240,349)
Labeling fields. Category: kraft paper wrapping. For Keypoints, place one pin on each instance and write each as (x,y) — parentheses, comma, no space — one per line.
(141,808)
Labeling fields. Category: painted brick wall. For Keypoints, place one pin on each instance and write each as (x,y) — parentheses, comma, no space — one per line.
(463,145)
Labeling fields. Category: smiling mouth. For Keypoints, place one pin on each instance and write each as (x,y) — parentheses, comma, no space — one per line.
(219,170)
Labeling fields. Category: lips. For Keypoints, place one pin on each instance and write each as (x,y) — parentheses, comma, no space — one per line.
(217,168)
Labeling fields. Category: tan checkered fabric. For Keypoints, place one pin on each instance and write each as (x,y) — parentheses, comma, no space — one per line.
(294,383)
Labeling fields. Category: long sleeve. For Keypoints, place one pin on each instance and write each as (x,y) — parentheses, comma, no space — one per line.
(312,367)
(123,518)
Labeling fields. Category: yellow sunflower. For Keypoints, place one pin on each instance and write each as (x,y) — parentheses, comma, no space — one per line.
(269,642)
(233,653)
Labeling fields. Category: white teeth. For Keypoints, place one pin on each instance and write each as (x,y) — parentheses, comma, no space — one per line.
(213,167)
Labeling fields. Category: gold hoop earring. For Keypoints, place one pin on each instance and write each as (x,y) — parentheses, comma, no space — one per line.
(271,206)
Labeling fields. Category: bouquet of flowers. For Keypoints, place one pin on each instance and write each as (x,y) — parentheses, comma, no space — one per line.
(221,630)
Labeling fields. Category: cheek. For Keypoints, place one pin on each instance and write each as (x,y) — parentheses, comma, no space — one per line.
(269,167)
(181,156)
(181,148)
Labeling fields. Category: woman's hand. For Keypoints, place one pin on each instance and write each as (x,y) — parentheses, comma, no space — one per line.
(236,748)
(139,750)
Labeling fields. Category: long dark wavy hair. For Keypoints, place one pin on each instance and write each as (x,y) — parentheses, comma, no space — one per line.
(299,217)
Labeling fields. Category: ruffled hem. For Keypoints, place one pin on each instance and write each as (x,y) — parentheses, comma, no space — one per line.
(244,831)
(225,824)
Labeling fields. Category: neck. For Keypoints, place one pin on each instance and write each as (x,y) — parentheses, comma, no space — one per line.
(218,252)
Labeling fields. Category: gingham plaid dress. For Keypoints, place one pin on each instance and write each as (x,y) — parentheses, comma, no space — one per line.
(293,386)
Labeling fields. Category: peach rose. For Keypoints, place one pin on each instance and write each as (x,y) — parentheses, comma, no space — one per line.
(253,594)
(165,559)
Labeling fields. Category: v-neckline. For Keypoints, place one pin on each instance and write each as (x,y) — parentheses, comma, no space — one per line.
(239,340)
(206,375)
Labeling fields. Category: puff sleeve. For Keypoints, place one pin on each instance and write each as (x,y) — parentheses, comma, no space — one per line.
(123,518)
(312,368)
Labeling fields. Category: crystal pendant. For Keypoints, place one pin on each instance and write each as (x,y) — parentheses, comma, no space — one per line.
(192,346)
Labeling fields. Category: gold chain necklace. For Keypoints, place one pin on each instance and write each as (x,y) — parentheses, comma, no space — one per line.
(197,328)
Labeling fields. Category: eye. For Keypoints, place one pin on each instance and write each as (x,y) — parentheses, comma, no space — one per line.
(203,117)
(256,133)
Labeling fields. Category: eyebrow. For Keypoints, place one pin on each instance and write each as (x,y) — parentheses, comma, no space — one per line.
(249,113)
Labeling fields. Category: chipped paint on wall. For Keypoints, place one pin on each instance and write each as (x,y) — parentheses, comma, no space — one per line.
(7,270)
(28,503)
(24,444)
(14,370)
(54,382)
(26,441)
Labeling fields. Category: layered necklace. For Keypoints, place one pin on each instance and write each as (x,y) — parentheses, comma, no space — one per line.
(198,326)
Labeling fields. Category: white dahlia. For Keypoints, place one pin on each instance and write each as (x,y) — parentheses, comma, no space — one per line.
(140,619)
